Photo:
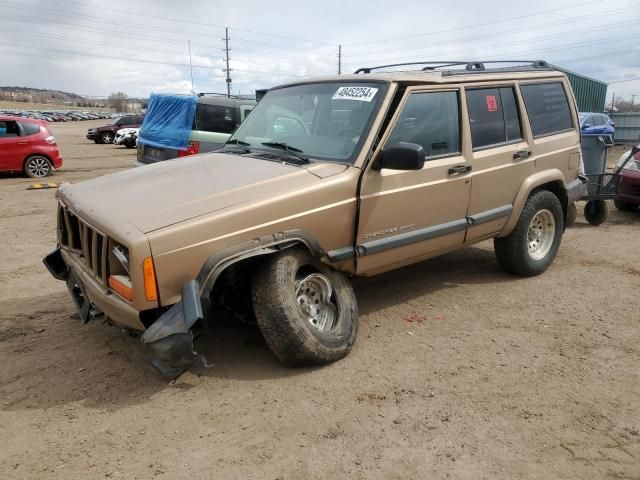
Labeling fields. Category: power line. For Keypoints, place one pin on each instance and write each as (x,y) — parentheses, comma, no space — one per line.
(191,22)
(504,32)
(138,36)
(552,49)
(466,27)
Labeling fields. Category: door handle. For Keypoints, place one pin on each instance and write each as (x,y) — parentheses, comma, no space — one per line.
(22,143)
(460,169)
(522,154)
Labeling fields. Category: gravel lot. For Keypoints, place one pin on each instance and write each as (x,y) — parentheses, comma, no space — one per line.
(460,370)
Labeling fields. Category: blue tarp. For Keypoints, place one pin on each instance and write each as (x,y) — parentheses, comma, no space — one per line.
(168,121)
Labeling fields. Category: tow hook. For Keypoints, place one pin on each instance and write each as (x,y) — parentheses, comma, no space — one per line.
(168,342)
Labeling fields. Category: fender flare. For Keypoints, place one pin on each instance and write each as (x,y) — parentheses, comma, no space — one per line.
(265,245)
(530,183)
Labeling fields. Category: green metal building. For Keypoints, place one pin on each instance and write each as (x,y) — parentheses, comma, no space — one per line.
(590,93)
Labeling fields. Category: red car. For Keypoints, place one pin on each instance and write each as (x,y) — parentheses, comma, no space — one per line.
(628,198)
(26,145)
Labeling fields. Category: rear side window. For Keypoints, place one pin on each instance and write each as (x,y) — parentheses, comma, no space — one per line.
(30,128)
(493,116)
(547,107)
(214,118)
(432,120)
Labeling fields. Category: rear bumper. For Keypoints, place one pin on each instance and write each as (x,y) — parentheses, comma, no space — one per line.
(576,189)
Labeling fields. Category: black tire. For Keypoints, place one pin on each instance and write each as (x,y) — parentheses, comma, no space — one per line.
(625,206)
(596,212)
(98,141)
(107,137)
(513,252)
(37,166)
(572,214)
(287,329)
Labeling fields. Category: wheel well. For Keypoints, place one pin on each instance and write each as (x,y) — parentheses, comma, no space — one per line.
(559,191)
(231,290)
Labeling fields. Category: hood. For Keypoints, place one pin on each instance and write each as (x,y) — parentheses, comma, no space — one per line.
(155,196)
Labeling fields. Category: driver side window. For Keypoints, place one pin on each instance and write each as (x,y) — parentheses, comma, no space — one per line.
(430,119)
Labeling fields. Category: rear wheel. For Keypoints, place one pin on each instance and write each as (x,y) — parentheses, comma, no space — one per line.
(106,137)
(596,212)
(534,242)
(306,311)
(37,166)
(625,206)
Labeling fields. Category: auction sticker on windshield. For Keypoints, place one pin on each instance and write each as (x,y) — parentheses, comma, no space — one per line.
(362,94)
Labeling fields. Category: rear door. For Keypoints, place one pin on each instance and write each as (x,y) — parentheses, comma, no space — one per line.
(501,157)
(406,216)
(14,145)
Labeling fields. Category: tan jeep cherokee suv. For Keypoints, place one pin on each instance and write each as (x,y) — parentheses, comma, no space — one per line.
(327,178)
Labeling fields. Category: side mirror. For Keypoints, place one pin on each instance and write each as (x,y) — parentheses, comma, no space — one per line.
(612,124)
(586,125)
(401,156)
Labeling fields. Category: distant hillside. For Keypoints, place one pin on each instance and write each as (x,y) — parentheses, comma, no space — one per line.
(39,95)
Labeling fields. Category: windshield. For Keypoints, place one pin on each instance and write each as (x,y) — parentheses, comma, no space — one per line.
(326,121)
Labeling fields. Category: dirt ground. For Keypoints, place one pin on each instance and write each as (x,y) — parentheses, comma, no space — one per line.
(460,370)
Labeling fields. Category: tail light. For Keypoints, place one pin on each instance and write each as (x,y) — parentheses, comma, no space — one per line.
(192,149)
(51,140)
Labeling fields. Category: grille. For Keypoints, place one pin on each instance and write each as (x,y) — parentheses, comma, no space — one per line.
(91,245)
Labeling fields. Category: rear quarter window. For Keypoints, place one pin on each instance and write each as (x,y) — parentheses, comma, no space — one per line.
(30,128)
(547,107)
(214,118)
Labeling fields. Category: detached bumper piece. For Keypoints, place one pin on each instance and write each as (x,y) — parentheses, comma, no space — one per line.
(168,342)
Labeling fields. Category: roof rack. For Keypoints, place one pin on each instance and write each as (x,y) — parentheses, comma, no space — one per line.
(237,97)
(470,67)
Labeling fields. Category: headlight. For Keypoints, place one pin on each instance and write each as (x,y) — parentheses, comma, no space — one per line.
(122,255)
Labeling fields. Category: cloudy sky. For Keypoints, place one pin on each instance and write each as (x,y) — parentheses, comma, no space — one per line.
(94,47)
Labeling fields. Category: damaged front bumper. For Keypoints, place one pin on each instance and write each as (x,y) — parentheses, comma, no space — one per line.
(167,343)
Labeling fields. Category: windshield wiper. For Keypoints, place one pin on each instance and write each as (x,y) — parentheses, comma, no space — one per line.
(239,143)
(296,152)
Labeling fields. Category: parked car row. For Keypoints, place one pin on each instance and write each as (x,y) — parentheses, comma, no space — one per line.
(107,133)
(59,115)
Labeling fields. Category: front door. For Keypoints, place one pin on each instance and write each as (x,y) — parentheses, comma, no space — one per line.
(406,216)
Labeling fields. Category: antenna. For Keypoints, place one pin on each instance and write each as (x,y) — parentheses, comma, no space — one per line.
(191,67)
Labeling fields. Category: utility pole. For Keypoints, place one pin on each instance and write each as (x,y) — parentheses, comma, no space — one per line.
(633,97)
(226,59)
(339,59)
(613,101)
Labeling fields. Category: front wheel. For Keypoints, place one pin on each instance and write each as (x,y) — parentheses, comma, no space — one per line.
(306,311)
(106,137)
(534,242)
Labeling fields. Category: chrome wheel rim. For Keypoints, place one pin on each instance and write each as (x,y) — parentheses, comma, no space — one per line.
(542,231)
(107,138)
(313,294)
(38,167)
